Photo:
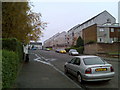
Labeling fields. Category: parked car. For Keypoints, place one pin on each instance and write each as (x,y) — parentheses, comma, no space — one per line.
(62,51)
(73,52)
(57,50)
(34,48)
(89,68)
(47,49)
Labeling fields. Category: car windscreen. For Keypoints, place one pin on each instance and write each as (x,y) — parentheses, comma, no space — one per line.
(93,61)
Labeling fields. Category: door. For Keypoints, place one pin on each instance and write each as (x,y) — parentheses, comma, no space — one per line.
(70,65)
(74,66)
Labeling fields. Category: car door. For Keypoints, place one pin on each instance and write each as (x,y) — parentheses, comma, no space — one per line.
(76,66)
(70,65)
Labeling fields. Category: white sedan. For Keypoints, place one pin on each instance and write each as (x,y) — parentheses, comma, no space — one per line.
(73,52)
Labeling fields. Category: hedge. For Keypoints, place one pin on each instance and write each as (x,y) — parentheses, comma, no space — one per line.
(0,69)
(13,45)
(12,55)
(10,63)
(9,44)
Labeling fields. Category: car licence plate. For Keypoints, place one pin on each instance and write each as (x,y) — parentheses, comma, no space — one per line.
(101,69)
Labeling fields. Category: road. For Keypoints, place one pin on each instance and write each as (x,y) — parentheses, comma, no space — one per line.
(58,60)
(46,70)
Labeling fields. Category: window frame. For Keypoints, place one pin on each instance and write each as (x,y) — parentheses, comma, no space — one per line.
(76,61)
(112,30)
(101,30)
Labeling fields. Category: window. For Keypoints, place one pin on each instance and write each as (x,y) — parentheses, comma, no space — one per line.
(112,40)
(93,61)
(112,29)
(77,61)
(100,40)
(118,30)
(108,20)
(72,61)
(101,30)
(72,33)
(115,39)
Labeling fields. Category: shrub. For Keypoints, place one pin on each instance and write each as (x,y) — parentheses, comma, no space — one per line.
(12,55)
(67,49)
(80,50)
(10,64)
(79,42)
(0,69)
(9,44)
(13,45)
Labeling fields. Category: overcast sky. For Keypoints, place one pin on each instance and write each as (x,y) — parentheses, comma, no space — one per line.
(62,16)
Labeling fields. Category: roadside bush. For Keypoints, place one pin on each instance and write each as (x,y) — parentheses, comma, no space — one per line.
(9,44)
(0,69)
(13,45)
(10,63)
(67,49)
(80,50)
(12,55)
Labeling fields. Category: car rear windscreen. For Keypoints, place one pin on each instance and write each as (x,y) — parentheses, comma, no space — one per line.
(93,61)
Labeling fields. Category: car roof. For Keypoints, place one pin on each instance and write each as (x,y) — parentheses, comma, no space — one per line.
(86,56)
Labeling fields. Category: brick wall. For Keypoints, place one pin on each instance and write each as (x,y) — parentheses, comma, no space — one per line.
(90,49)
(90,34)
(101,48)
(116,32)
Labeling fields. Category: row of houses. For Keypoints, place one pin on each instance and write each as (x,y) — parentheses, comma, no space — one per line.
(100,29)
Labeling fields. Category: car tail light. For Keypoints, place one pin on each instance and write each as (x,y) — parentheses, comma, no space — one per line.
(111,68)
(88,71)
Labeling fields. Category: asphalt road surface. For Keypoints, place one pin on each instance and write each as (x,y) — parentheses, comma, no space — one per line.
(57,61)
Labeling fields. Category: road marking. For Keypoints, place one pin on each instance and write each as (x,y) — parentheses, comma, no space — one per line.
(39,59)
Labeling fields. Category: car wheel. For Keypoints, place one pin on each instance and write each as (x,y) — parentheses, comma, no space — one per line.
(65,69)
(79,78)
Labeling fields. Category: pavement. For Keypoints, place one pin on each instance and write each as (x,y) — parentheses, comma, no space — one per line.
(39,75)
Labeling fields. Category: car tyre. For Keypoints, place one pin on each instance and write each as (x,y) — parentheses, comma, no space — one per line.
(65,69)
(79,78)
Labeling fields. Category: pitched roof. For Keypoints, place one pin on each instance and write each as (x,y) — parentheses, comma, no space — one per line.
(89,20)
